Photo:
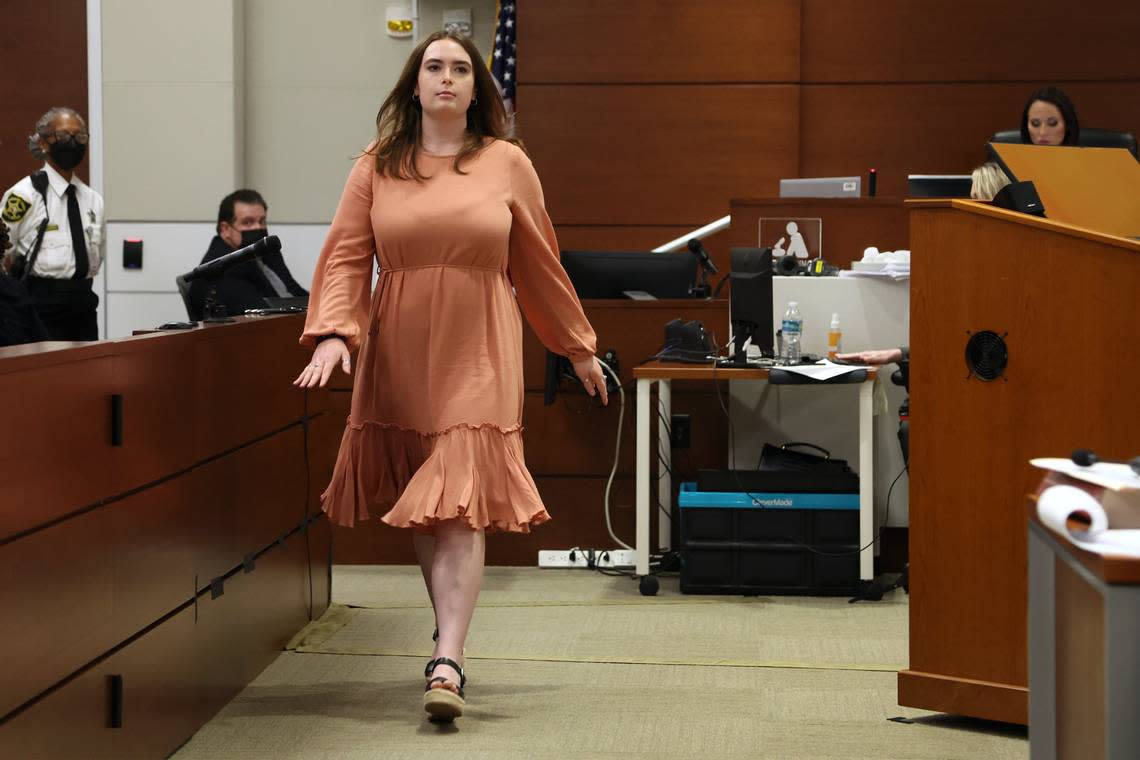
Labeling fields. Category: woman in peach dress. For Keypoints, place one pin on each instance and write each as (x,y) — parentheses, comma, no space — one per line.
(452,210)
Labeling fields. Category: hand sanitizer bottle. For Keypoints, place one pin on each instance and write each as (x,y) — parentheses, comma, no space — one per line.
(834,338)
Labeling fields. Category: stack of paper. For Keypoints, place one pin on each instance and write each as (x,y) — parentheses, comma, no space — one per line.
(823,370)
(889,265)
(886,272)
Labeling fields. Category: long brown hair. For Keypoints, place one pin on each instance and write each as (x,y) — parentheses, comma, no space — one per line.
(399,121)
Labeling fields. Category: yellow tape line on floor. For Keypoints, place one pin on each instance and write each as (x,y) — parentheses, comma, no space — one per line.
(595,603)
(773,664)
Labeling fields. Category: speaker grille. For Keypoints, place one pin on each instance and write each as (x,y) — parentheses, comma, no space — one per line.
(987,355)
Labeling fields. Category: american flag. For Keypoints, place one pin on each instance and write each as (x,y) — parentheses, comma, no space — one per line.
(503,56)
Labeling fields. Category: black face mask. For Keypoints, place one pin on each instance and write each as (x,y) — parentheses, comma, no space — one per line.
(67,154)
(249,237)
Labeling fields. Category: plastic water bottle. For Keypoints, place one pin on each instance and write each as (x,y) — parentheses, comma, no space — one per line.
(793,327)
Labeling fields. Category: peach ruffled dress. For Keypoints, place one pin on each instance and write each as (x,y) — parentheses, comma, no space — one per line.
(435,430)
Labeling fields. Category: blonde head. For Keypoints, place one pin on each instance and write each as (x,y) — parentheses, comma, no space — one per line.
(988,179)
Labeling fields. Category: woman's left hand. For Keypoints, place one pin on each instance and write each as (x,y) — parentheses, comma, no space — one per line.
(589,371)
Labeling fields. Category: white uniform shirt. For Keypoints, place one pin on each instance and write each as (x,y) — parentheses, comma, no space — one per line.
(22,210)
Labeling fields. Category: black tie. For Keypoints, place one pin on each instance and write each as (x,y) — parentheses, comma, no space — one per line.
(78,241)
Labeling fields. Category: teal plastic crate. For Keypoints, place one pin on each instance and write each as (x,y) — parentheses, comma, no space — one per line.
(690,498)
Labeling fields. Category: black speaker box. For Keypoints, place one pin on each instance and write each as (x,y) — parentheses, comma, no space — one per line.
(1020,196)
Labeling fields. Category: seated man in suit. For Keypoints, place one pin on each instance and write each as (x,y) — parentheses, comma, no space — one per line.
(242,222)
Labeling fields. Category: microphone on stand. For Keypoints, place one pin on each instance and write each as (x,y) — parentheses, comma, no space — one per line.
(702,255)
(220,265)
(213,270)
(701,288)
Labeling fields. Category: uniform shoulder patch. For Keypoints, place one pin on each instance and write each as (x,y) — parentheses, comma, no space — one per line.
(14,208)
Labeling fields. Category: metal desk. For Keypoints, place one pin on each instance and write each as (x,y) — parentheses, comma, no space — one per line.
(1084,650)
(663,374)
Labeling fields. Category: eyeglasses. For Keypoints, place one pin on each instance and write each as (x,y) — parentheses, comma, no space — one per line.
(63,136)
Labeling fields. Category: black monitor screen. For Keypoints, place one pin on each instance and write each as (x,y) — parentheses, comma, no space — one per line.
(750,301)
(608,274)
(939,185)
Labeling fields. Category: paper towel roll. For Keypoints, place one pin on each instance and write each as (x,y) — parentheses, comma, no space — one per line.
(1057,504)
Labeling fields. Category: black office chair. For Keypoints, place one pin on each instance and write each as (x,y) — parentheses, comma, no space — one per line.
(901,377)
(1090,138)
(192,297)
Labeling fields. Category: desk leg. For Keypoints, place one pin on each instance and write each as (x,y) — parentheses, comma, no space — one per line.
(1121,662)
(866,484)
(664,464)
(641,546)
(1042,649)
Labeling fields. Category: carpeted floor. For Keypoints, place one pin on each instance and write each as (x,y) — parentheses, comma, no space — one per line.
(572,664)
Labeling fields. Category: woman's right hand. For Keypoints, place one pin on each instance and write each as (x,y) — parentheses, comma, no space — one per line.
(328,353)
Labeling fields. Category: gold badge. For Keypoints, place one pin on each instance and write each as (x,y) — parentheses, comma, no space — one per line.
(14,209)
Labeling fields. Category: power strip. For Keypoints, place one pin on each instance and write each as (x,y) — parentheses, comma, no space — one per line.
(586,558)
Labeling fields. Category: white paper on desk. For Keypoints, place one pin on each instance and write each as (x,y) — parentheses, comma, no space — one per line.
(884,274)
(1118,477)
(823,371)
(1057,504)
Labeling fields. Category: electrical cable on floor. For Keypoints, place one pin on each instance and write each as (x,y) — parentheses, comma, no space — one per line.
(617,455)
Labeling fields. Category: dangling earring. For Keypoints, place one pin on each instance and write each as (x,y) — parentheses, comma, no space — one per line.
(474,100)
(415,96)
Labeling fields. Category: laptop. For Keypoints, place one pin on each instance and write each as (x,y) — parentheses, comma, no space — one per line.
(821,187)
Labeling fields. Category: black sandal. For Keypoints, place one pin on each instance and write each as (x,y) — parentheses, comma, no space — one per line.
(435,637)
(443,704)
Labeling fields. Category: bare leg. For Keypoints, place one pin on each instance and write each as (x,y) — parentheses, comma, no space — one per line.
(456,577)
(425,552)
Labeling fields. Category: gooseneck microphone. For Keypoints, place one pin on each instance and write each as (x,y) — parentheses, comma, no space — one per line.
(702,255)
(220,265)
(1087,458)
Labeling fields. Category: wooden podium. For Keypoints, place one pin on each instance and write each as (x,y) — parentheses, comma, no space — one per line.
(1063,301)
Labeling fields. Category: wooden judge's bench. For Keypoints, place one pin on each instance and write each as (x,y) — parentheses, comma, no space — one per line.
(160,541)
(1044,312)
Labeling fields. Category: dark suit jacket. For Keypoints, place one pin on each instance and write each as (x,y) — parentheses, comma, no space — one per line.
(245,286)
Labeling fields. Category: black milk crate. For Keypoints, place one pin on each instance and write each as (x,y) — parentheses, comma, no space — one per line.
(772,543)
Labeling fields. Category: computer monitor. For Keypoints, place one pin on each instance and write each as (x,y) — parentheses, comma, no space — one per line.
(938,185)
(609,274)
(750,302)
(821,187)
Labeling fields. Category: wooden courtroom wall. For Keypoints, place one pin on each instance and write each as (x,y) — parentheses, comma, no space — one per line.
(644,118)
(43,46)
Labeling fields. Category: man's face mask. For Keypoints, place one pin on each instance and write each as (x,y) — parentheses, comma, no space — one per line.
(67,154)
(249,237)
